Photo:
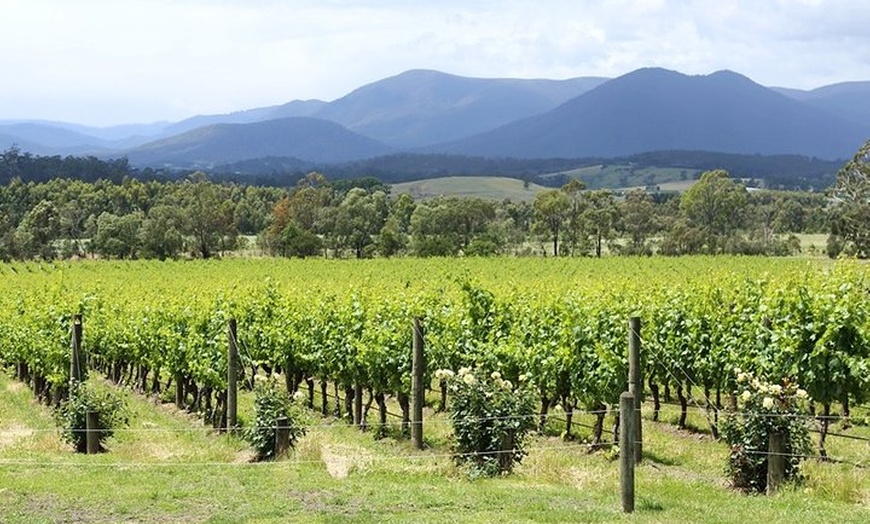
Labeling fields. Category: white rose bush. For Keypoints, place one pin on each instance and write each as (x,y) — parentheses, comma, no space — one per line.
(491,419)
(763,409)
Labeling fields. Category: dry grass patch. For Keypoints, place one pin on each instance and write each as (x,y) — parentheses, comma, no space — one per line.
(340,460)
(10,435)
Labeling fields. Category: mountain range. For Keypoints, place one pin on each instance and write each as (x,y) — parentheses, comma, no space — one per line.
(429,112)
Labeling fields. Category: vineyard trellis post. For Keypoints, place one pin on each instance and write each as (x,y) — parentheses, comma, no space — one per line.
(418,389)
(232,374)
(358,405)
(635,383)
(179,390)
(282,436)
(76,371)
(626,451)
(775,461)
(92,432)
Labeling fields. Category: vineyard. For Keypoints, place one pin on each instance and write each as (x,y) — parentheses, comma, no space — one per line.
(338,331)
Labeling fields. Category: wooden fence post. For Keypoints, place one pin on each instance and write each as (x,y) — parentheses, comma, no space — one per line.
(92,432)
(282,436)
(232,375)
(626,451)
(775,462)
(418,389)
(76,367)
(635,383)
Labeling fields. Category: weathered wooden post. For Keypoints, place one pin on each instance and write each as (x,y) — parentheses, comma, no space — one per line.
(282,436)
(506,451)
(358,405)
(92,432)
(179,390)
(76,367)
(635,383)
(232,375)
(626,451)
(775,462)
(418,389)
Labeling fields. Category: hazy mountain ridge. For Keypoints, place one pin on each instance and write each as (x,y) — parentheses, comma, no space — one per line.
(646,110)
(848,100)
(305,138)
(422,107)
(656,109)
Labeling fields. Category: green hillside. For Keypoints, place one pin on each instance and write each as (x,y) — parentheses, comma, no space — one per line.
(493,188)
(628,175)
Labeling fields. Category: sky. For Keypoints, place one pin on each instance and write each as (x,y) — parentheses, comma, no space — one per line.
(108,62)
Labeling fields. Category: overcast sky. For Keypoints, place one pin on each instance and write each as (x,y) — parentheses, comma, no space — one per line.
(104,62)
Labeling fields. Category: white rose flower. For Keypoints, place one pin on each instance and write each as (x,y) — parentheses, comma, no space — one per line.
(506,384)
(801,394)
(745,396)
(776,389)
(495,375)
(468,378)
(298,396)
(767,403)
(464,371)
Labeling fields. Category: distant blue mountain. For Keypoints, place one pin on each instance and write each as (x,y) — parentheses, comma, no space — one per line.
(424,111)
(656,109)
(308,139)
(421,107)
(250,116)
(848,100)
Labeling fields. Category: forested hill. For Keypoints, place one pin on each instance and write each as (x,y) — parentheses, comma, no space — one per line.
(783,171)
(775,171)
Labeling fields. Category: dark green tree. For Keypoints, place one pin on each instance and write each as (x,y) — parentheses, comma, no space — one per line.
(38,231)
(160,235)
(638,222)
(851,215)
(117,237)
(208,217)
(600,217)
(550,215)
(714,206)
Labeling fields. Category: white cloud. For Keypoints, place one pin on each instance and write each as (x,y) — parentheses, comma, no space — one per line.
(112,61)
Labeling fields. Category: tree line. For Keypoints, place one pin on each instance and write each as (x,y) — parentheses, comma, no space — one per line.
(197,217)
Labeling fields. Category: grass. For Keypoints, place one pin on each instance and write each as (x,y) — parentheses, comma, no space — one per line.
(615,177)
(626,176)
(490,188)
(167,468)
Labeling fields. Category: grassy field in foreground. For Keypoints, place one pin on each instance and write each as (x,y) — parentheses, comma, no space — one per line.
(166,468)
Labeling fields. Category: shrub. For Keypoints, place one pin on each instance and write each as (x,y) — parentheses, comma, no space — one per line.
(72,414)
(764,409)
(491,420)
(271,402)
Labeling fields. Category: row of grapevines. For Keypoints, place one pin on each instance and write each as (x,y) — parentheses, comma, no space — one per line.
(559,324)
